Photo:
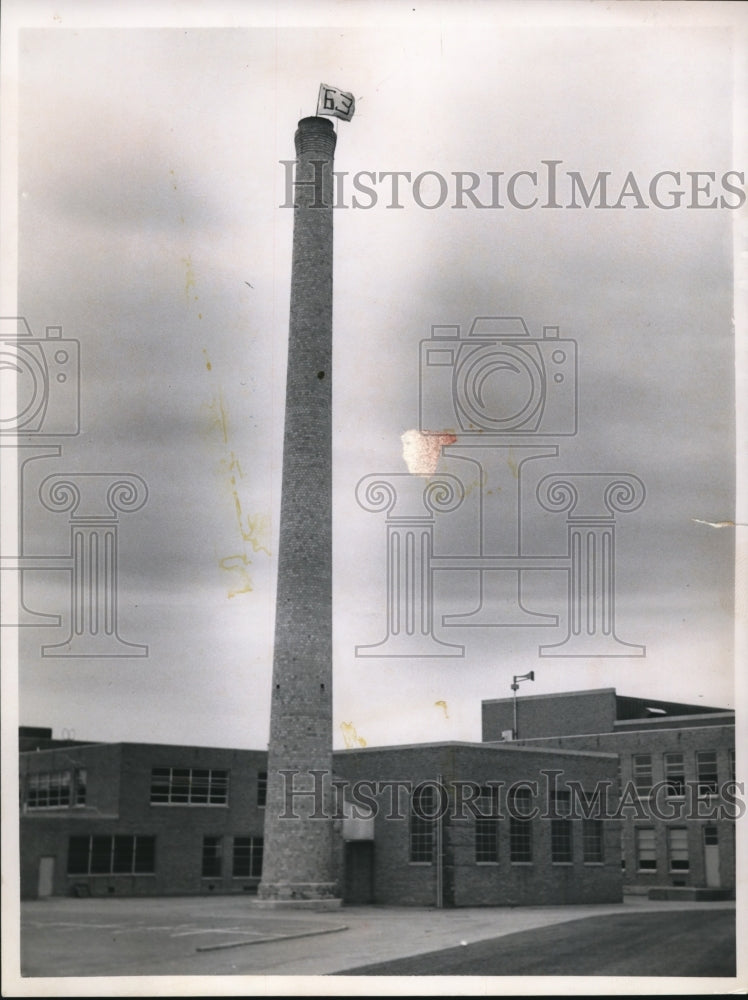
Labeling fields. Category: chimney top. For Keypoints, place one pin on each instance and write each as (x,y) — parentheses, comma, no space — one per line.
(315,135)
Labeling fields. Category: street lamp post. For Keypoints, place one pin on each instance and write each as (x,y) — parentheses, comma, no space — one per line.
(515,687)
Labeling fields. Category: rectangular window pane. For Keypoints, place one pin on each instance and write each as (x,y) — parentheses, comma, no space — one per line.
(520,826)
(520,839)
(422,829)
(706,771)
(678,845)
(101,855)
(49,790)
(561,847)
(123,855)
(179,790)
(642,772)
(486,826)
(247,861)
(145,856)
(189,786)
(212,851)
(81,783)
(592,840)
(219,787)
(78,855)
(645,849)
(256,869)
(675,774)
(262,789)
(117,855)
(561,850)
(199,786)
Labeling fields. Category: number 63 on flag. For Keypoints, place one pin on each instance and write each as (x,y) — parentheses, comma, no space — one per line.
(336,103)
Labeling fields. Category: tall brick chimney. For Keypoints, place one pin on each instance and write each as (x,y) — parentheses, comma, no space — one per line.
(298,855)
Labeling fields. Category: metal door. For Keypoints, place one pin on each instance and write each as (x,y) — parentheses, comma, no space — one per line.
(46,876)
(711,856)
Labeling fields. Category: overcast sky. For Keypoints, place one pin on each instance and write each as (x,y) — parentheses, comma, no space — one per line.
(151,229)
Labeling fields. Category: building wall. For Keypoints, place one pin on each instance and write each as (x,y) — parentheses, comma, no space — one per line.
(563,714)
(398,880)
(118,804)
(703,817)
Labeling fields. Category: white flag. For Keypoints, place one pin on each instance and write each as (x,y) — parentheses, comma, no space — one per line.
(335,103)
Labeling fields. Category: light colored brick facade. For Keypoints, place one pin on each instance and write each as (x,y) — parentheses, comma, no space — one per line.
(654,741)
(298,860)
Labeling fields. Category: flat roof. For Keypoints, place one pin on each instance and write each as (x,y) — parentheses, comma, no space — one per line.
(494,746)
(550,694)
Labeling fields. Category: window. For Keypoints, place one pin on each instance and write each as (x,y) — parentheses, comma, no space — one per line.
(212,857)
(262,789)
(675,775)
(678,846)
(48,791)
(520,826)
(422,827)
(561,842)
(710,835)
(81,783)
(487,827)
(592,840)
(189,786)
(646,855)
(732,763)
(706,771)
(619,778)
(642,771)
(247,862)
(118,855)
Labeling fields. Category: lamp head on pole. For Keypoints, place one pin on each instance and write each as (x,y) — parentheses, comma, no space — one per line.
(515,687)
(522,677)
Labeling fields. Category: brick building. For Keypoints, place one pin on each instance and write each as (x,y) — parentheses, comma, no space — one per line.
(141,820)
(501,835)
(431,824)
(601,793)
(678,799)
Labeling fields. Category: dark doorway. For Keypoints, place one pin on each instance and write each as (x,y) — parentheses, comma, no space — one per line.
(358,886)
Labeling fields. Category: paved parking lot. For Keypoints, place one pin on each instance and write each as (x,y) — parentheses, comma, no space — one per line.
(229,936)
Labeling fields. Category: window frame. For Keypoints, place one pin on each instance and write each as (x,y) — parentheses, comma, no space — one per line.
(55,787)
(195,787)
(639,831)
(639,770)
(262,789)
(562,831)
(255,849)
(421,830)
(211,842)
(101,852)
(683,849)
(674,774)
(486,840)
(598,841)
(520,828)
(707,774)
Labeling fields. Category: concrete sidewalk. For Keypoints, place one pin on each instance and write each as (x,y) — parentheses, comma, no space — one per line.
(227,936)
